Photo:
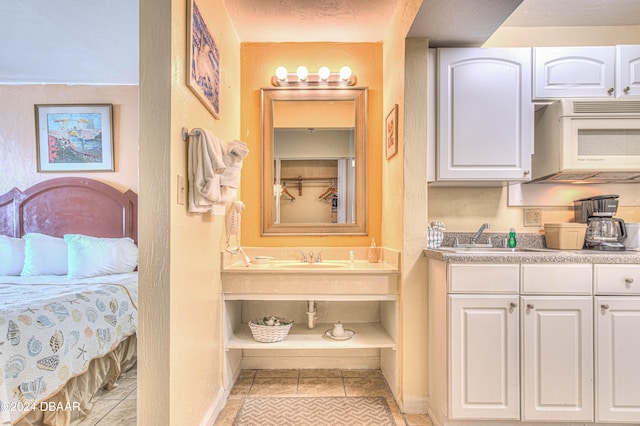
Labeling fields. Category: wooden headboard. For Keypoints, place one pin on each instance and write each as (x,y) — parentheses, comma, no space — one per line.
(70,205)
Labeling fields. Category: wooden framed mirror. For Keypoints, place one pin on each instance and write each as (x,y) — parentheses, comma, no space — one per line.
(314,165)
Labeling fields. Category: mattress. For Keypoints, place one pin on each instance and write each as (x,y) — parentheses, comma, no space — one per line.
(52,327)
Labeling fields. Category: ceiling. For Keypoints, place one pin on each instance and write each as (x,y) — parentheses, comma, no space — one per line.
(444,22)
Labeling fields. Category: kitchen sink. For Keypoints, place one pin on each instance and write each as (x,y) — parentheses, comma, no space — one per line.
(494,250)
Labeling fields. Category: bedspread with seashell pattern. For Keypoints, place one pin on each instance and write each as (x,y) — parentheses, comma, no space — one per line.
(49,332)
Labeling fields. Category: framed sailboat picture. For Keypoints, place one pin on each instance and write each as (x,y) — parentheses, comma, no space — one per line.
(203,70)
(74,137)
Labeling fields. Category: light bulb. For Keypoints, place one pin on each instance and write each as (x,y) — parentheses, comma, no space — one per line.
(302,72)
(324,73)
(281,73)
(345,73)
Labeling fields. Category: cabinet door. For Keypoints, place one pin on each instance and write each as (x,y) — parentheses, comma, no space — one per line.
(485,122)
(617,349)
(484,370)
(557,358)
(628,70)
(573,72)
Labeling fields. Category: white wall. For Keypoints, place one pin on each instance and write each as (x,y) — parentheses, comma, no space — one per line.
(69,41)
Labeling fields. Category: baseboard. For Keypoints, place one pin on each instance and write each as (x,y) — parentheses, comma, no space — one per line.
(415,405)
(215,408)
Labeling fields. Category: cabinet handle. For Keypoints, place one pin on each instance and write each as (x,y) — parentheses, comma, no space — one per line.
(513,305)
(526,172)
(610,91)
(628,280)
(626,90)
(604,306)
(530,306)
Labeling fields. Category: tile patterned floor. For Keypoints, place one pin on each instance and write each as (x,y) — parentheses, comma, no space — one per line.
(304,383)
(118,406)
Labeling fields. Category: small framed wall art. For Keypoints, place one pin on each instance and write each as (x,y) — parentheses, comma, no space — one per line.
(203,68)
(391,138)
(73,138)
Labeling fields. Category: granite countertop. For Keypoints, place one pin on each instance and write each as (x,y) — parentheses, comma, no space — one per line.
(546,256)
(526,241)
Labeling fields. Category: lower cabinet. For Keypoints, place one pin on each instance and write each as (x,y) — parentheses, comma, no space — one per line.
(484,357)
(618,350)
(557,358)
(527,348)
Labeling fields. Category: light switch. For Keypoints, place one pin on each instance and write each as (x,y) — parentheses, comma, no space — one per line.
(182,190)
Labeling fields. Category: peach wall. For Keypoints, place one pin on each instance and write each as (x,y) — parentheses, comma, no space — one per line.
(18,136)
(258,64)
(180,353)
(404,206)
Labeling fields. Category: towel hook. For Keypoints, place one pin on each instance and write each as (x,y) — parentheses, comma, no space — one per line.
(186,134)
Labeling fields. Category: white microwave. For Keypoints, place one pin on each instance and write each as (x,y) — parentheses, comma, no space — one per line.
(588,141)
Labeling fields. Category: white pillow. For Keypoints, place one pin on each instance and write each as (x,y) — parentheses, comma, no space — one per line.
(11,255)
(44,255)
(92,256)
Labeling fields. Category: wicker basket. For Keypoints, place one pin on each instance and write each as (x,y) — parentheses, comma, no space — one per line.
(270,333)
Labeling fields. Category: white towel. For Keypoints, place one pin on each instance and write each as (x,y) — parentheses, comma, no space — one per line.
(205,167)
(233,154)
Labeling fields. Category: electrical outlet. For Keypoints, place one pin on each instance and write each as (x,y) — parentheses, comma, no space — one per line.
(182,190)
(532,217)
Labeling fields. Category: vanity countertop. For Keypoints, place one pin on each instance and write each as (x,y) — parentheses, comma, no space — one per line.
(288,260)
(447,254)
(324,267)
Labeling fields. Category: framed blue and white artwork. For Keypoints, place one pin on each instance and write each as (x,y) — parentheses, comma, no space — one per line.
(204,61)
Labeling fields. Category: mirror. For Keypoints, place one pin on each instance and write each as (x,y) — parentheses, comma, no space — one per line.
(314,161)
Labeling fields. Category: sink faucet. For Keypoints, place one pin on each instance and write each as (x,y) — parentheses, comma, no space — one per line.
(315,258)
(311,257)
(477,235)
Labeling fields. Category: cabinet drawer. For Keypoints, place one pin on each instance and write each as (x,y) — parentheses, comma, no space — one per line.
(478,278)
(617,279)
(557,279)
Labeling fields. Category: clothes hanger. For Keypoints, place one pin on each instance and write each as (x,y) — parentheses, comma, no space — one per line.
(330,192)
(286,192)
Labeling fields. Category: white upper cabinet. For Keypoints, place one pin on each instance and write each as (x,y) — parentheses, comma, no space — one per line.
(586,72)
(485,115)
(628,71)
(569,72)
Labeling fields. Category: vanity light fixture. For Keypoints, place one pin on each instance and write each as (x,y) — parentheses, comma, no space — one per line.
(281,73)
(302,72)
(303,78)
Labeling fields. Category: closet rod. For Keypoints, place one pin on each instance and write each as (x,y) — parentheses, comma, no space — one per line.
(186,134)
(296,179)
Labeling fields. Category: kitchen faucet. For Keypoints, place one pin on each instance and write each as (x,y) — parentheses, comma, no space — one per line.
(477,235)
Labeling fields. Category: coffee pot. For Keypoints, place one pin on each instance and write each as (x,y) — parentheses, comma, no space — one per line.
(605,233)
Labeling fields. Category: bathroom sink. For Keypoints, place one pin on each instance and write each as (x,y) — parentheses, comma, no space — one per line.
(494,250)
(305,265)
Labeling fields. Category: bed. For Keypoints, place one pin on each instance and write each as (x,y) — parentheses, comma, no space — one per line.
(65,336)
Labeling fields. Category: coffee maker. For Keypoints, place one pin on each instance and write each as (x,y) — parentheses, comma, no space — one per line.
(604,232)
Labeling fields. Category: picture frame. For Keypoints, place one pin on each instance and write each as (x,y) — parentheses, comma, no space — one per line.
(203,56)
(74,138)
(391,134)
